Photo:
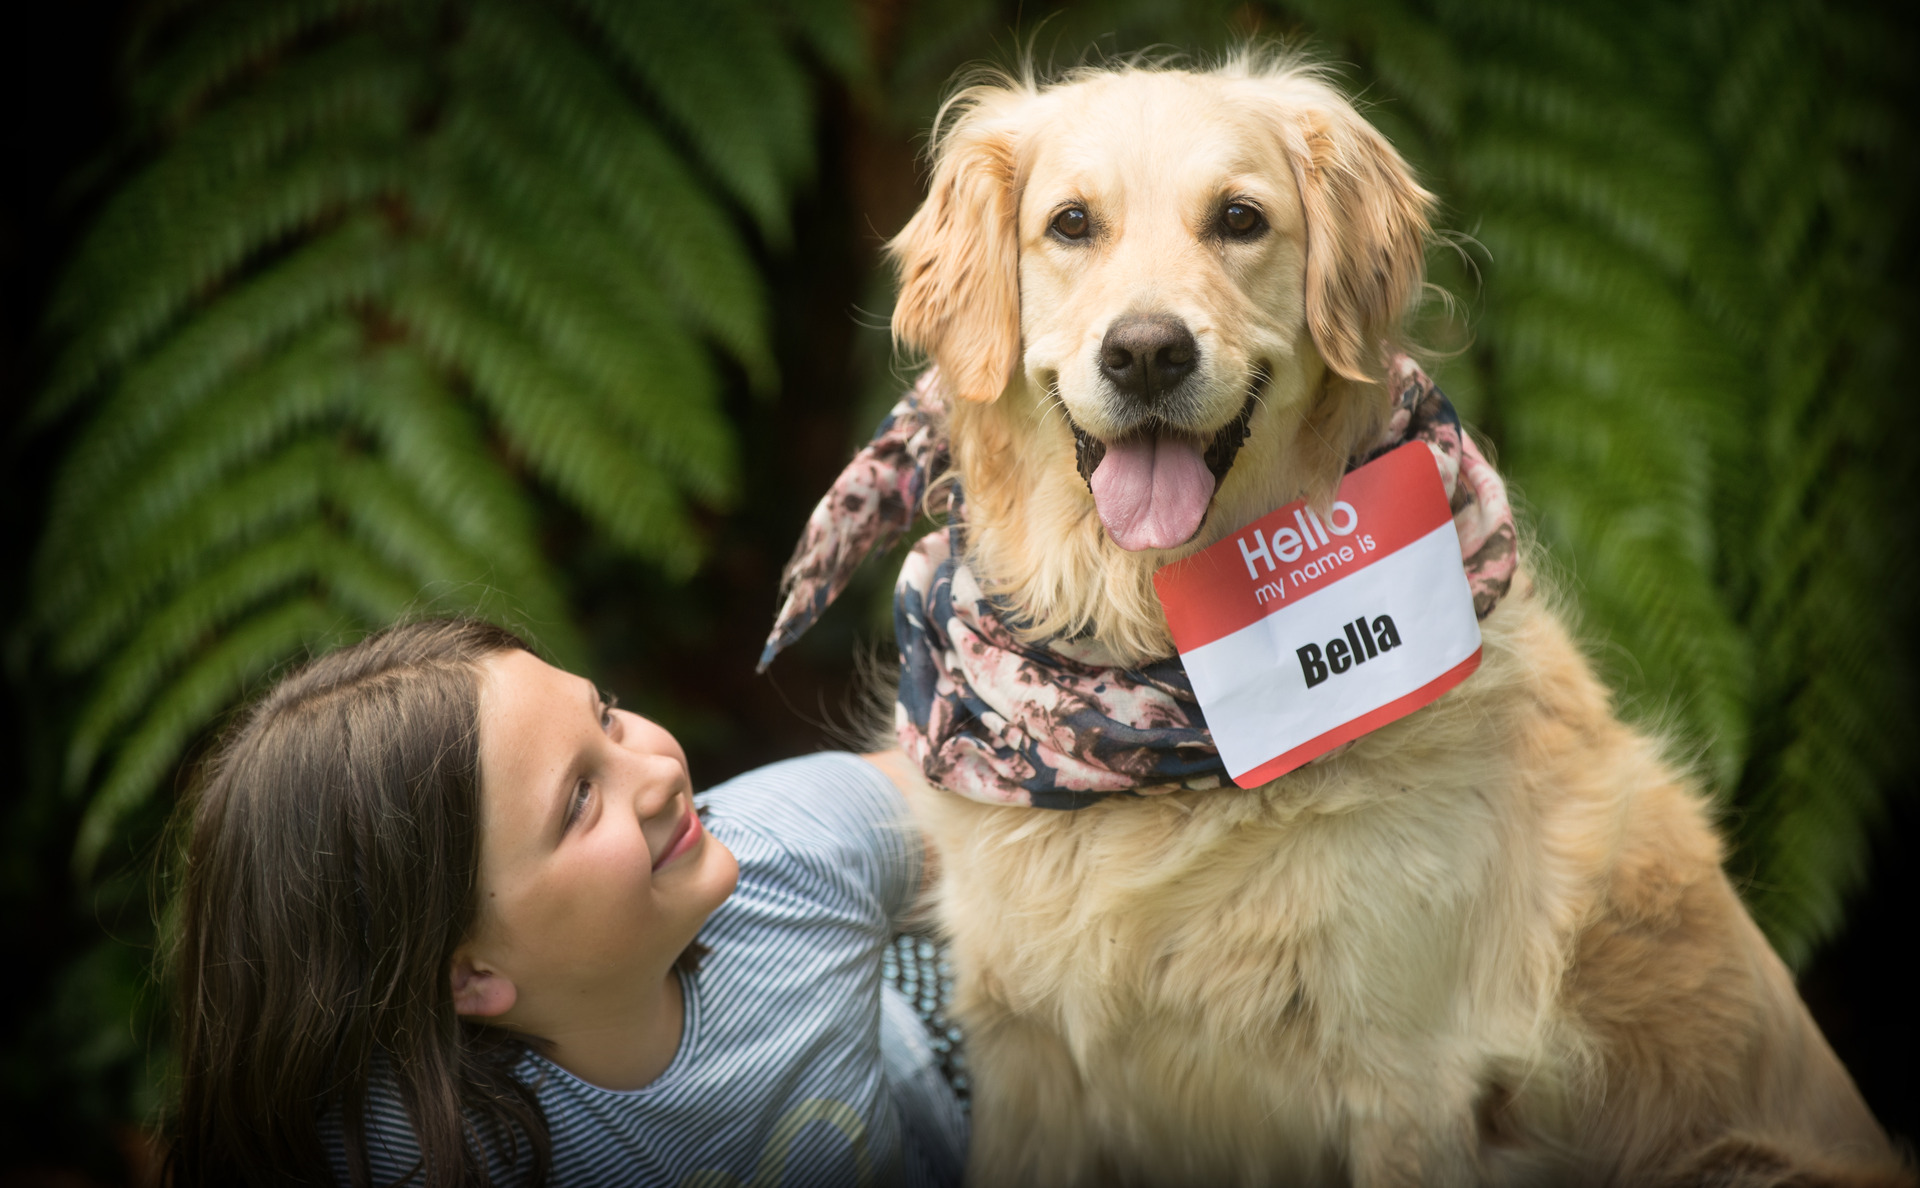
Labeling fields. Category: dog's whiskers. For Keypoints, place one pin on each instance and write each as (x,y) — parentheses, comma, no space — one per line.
(1054,403)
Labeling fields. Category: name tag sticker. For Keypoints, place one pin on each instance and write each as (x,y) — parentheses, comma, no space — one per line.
(1302,632)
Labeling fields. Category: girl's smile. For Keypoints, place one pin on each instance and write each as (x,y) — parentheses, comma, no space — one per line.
(686,835)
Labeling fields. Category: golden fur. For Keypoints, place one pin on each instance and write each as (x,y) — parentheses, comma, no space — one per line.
(1492,943)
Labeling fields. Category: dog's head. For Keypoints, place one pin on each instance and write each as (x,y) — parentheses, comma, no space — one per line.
(1163,298)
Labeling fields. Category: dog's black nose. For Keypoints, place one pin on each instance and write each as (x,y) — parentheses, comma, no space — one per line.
(1145,355)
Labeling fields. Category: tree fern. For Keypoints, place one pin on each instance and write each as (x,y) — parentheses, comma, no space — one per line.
(1808,111)
(383,266)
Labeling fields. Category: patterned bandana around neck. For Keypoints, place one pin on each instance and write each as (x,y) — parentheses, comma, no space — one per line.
(1055,724)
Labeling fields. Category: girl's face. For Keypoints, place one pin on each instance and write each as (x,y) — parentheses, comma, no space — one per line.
(594,871)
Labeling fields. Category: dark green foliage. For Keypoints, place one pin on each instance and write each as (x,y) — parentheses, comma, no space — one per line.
(1812,112)
(381,268)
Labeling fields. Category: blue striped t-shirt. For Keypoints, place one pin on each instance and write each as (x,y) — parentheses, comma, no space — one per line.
(796,1066)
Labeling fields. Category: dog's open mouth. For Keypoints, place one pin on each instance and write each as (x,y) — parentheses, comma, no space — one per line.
(1153,487)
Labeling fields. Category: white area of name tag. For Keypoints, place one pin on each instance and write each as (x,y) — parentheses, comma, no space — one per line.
(1241,644)
(1253,688)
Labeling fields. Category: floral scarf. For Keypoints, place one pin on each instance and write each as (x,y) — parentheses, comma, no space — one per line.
(1056,724)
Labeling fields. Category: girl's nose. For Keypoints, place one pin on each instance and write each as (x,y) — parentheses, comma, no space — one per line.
(659,780)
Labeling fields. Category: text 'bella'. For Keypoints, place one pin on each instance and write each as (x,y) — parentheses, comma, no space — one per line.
(1363,642)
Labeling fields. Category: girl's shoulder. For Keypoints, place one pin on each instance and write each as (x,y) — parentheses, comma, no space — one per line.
(827,794)
(832,813)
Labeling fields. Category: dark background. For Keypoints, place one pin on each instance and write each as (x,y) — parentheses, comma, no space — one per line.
(681,652)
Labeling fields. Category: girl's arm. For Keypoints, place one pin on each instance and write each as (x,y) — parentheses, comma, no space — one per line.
(906,776)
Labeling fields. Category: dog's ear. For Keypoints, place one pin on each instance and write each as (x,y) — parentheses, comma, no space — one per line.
(1366,230)
(958,257)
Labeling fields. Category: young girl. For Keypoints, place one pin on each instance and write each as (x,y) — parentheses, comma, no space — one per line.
(438,923)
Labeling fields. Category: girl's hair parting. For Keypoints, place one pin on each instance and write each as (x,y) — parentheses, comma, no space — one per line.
(328,875)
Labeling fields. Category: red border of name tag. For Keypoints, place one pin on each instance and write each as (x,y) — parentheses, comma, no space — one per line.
(1208,596)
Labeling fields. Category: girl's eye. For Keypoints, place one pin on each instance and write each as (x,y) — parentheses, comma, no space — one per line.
(582,795)
(607,702)
(1071,223)
(1242,220)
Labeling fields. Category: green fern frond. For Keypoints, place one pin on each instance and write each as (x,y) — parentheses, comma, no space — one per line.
(176,70)
(385,265)
(1422,69)
(719,72)
(1539,168)
(341,269)
(617,336)
(258,504)
(160,276)
(246,652)
(1578,38)
(627,497)
(111,505)
(1824,187)
(337,89)
(304,558)
(568,101)
(433,443)
(381,513)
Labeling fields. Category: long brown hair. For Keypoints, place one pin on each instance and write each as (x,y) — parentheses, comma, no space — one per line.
(329,875)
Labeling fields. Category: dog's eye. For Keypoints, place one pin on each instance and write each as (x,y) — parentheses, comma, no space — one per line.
(1071,223)
(1242,220)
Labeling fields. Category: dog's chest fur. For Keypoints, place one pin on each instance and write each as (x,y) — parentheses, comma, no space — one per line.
(1392,923)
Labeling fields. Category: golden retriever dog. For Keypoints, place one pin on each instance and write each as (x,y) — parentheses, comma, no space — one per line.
(1491,942)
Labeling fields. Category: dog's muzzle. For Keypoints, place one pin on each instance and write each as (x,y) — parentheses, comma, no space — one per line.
(1221,450)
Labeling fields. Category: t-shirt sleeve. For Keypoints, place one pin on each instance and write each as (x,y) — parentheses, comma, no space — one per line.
(834,807)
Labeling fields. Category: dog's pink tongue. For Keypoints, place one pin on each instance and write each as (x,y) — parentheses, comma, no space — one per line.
(1152,491)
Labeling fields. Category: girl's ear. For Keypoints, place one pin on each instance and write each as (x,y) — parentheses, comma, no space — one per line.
(1366,227)
(959,259)
(480,992)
